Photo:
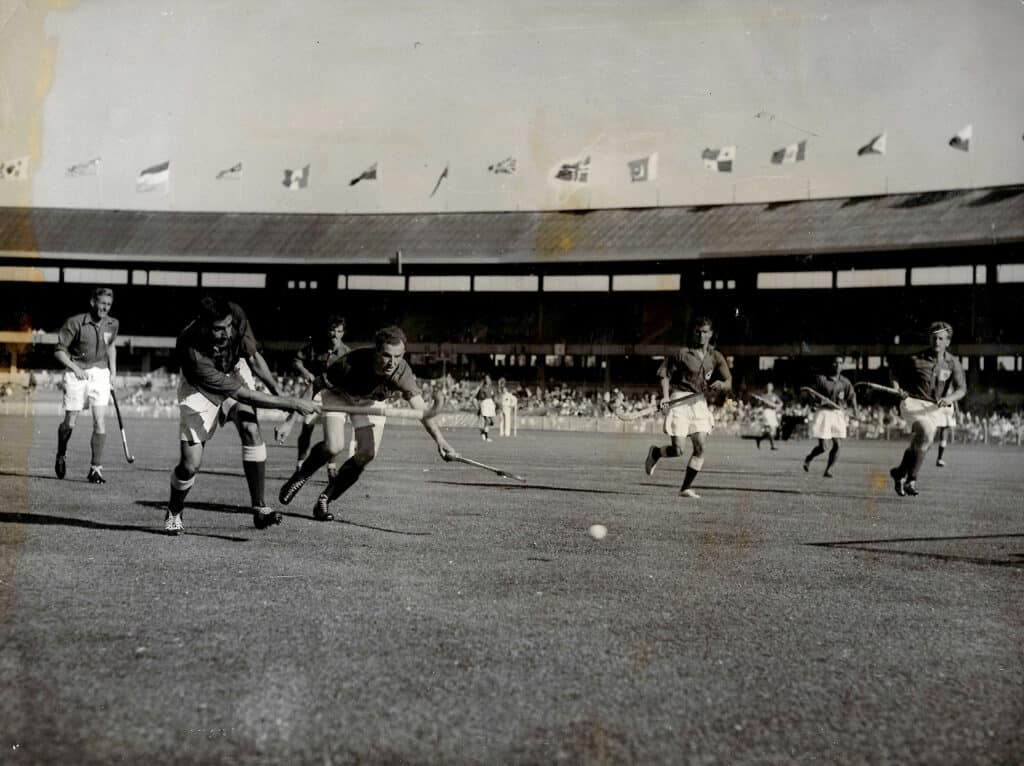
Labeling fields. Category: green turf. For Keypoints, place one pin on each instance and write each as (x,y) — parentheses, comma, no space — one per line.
(450,616)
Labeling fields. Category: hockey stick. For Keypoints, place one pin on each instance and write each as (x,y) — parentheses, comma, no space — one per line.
(655,408)
(894,391)
(492,469)
(766,402)
(282,431)
(821,398)
(385,411)
(120,424)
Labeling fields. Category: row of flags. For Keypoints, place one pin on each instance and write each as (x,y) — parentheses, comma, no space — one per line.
(642,169)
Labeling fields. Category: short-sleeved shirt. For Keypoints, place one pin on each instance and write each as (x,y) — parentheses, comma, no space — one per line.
(354,374)
(693,370)
(213,369)
(86,340)
(486,391)
(775,399)
(929,376)
(318,356)
(838,390)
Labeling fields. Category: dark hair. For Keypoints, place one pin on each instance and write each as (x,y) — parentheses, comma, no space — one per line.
(213,309)
(335,321)
(937,327)
(391,335)
(701,321)
(99,292)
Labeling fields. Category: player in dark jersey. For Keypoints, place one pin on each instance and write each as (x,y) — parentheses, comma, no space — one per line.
(699,368)
(85,347)
(218,357)
(364,377)
(829,422)
(311,361)
(486,409)
(931,381)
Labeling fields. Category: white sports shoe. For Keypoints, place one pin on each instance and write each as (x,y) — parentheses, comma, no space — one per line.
(689,493)
(172,524)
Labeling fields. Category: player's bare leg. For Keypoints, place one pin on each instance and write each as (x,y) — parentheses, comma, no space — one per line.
(305,441)
(64,431)
(319,455)
(905,474)
(943,443)
(693,465)
(832,455)
(183,478)
(656,453)
(348,473)
(819,449)
(99,438)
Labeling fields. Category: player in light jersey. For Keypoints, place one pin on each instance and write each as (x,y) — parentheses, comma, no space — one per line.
(932,381)
(829,423)
(767,414)
(699,368)
(485,407)
(508,406)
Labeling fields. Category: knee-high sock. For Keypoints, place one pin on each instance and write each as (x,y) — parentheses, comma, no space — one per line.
(693,466)
(909,461)
(96,443)
(305,437)
(915,469)
(818,450)
(318,456)
(832,455)
(180,486)
(254,463)
(669,451)
(348,475)
(63,437)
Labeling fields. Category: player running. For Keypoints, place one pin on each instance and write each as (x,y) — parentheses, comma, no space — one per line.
(364,377)
(485,407)
(85,347)
(218,356)
(932,380)
(767,415)
(696,369)
(831,394)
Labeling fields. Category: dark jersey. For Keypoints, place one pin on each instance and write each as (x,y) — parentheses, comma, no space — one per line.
(838,390)
(486,391)
(693,370)
(212,369)
(929,376)
(318,356)
(354,374)
(85,340)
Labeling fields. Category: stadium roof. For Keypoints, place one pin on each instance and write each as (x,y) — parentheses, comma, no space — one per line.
(859,224)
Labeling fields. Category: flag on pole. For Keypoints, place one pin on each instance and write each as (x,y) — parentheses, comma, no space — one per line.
(440,178)
(719,160)
(792,153)
(643,169)
(296,179)
(87,168)
(506,166)
(154,178)
(233,173)
(962,140)
(370,174)
(574,172)
(875,146)
(14,170)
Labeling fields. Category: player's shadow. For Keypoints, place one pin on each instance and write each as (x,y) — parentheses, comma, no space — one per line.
(755,490)
(542,487)
(47,476)
(38,518)
(867,546)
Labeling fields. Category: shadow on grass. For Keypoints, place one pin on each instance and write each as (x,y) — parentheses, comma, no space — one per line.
(867,546)
(517,486)
(38,518)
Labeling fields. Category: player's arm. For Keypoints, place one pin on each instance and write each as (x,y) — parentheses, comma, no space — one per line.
(65,337)
(446,450)
(299,365)
(112,361)
(724,382)
(959,385)
(275,402)
(853,401)
(664,378)
(262,371)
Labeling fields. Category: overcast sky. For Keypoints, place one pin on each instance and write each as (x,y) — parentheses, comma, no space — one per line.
(415,86)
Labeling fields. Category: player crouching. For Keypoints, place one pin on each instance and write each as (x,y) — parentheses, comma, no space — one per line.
(218,357)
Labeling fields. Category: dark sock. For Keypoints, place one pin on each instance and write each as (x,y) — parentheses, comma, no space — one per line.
(256,478)
(669,451)
(305,437)
(919,456)
(348,475)
(177,503)
(818,450)
(318,457)
(691,474)
(832,455)
(97,442)
(63,437)
(942,450)
(907,464)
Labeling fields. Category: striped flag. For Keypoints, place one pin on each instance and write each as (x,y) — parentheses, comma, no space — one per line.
(14,170)
(962,140)
(788,154)
(506,166)
(296,179)
(574,172)
(233,173)
(440,178)
(719,160)
(643,169)
(370,174)
(875,146)
(154,178)
(87,168)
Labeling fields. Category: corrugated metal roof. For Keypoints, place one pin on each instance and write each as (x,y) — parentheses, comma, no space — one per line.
(890,222)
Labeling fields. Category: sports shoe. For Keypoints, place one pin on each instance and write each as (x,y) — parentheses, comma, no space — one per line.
(807,466)
(940,463)
(689,493)
(96,475)
(651,461)
(911,488)
(263,517)
(60,466)
(172,523)
(320,510)
(291,487)
(828,474)
(899,482)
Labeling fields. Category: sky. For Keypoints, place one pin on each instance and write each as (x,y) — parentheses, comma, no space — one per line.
(418,86)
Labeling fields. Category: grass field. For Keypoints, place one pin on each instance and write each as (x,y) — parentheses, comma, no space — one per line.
(449,616)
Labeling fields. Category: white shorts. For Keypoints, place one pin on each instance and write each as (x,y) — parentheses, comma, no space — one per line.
(929,414)
(769,419)
(200,412)
(331,398)
(94,391)
(487,408)
(689,418)
(828,424)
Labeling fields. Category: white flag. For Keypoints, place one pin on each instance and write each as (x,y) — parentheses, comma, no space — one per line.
(87,168)
(875,146)
(792,153)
